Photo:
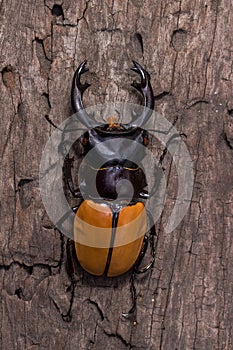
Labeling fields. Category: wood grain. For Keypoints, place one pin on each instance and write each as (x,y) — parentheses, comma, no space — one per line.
(186,301)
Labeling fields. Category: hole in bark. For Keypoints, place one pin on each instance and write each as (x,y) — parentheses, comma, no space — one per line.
(19,292)
(23,182)
(20,109)
(25,193)
(69,288)
(8,76)
(47,97)
(6,70)
(139,38)
(44,61)
(57,10)
(230,112)
(39,41)
(179,39)
(23,111)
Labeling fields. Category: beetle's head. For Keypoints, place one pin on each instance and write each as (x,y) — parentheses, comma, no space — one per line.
(113,126)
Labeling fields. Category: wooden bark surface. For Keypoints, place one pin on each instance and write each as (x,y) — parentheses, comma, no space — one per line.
(186,301)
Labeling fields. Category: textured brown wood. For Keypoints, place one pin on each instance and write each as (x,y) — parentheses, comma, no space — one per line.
(186,301)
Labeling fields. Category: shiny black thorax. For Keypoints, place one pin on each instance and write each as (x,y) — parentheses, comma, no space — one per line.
(123,146)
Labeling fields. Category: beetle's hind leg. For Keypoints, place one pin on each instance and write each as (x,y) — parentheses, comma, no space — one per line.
(71,270)
(148,239)
(70,251)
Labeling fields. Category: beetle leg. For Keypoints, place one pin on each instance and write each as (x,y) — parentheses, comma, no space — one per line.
(153,246)
(148,239)
(153,253)
(166,132)
(167,144)
(144,194)
(136,270)
(131,312)
(68,163)
(70,250)
(142,254)
(71,263)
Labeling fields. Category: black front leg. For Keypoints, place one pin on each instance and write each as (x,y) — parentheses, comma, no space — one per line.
(68,164)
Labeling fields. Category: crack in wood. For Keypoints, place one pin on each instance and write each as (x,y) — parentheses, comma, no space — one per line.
(194,102)
(97,307)
(229,141)
(161,95)
(211,46)
(122,340)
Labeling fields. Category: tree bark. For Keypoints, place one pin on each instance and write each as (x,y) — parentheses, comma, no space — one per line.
(185,302)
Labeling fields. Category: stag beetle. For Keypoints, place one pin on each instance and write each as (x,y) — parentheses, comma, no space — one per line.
(115,213)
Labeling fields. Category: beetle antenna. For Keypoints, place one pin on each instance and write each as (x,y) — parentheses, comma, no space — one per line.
(145,88)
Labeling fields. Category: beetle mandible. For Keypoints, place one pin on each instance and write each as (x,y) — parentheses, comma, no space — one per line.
(118,212)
